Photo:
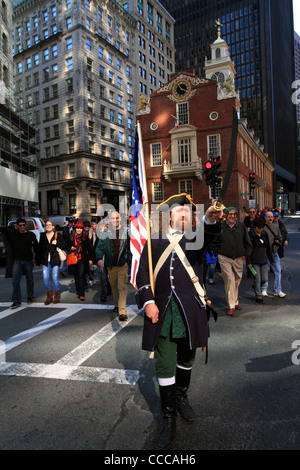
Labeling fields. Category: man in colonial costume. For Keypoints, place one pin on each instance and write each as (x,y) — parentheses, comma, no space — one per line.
(176,314)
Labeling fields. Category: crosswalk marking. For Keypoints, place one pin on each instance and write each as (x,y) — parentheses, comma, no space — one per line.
(96,341)
(70,366)
(66,372)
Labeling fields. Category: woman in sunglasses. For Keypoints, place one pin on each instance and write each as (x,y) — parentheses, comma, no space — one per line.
(49,257)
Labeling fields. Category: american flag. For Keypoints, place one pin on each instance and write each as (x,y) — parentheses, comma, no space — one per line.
(138,228)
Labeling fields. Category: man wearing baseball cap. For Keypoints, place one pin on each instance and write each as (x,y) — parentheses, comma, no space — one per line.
(235,245)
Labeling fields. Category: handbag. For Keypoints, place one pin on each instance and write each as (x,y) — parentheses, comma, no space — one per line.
(62,254)
(72,259)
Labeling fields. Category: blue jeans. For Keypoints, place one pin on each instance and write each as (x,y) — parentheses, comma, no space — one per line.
(276,268)
(46,277)
(20,268)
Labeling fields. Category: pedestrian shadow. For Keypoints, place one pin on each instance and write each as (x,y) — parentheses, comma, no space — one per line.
(272,363)
(130,354)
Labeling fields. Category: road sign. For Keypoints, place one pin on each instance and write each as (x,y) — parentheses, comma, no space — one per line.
(252,203)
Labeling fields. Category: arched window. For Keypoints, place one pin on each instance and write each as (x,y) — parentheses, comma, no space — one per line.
(218,77)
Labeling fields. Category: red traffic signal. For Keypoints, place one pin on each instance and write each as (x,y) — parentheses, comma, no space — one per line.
(208,165)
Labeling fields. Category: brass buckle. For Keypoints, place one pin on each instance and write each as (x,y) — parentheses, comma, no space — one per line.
(195,279)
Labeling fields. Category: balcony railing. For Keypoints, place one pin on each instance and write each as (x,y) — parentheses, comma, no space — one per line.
(175,170)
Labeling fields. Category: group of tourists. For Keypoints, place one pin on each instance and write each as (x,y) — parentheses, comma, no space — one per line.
(260,240)
(110,250)
(175,302)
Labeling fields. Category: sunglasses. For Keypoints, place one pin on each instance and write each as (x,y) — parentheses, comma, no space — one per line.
(21,225)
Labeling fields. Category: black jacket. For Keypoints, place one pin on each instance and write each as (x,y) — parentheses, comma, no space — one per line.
(234,241)
(66,234)
(173,279)
(48,251)
(261,250)
(86,252)
(23,245)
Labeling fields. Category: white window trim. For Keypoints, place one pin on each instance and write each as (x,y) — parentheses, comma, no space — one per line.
(151,154)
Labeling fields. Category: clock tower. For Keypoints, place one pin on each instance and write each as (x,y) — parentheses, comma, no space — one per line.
(221,68)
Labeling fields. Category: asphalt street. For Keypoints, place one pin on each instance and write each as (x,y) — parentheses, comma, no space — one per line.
(75,378)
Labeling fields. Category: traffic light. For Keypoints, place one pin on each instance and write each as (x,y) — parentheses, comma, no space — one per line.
(212,174)
(216,172)
(208,173)
(251,184)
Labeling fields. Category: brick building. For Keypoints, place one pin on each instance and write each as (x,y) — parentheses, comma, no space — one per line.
(188,121)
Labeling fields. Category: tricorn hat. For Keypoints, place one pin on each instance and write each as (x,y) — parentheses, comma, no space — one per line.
(178,200)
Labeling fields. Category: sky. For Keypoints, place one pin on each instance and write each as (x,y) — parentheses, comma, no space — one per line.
(296,4)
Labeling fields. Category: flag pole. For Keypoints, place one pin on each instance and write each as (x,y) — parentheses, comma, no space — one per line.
(147,215)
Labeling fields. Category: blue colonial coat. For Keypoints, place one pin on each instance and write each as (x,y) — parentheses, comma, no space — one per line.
(173,279)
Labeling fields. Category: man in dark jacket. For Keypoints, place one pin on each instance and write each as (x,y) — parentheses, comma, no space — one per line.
(235,245)
(66,233)
(175,322)
(23,244)
(114,245)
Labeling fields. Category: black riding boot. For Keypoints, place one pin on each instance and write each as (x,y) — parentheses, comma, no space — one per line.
(168,407)
(183,378)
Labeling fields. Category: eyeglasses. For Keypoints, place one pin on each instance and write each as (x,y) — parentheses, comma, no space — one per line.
(21,225)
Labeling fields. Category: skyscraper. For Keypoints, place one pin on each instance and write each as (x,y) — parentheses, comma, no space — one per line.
(261,43)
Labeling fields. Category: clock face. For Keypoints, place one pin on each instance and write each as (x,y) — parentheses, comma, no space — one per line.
(181,89)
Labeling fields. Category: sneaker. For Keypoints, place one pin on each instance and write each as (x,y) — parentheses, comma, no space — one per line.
(265,294)
(280,294)
(15,305)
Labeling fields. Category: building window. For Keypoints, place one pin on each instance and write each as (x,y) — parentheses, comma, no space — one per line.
(113,174)
(157,192)
(218,77)
(156,154)
(213,146)
(184,152)
(186,186)
(70,125)
(52,173)
(91,127)
(183,113)
(70,146)
(72,203)
(92,167)
(93,203)
(72,170)
(69,63)
(52,202)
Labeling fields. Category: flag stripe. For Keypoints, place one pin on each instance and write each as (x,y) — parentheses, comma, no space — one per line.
(138,229)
